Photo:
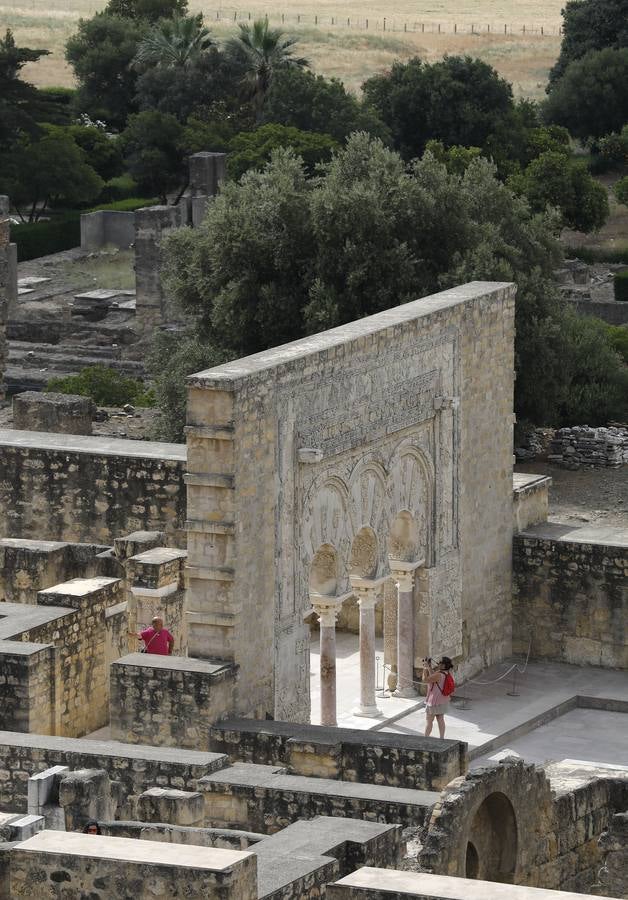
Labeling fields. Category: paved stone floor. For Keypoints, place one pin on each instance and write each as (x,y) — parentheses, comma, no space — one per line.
(492,712)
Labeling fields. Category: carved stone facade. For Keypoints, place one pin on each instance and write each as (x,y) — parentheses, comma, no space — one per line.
(339,455)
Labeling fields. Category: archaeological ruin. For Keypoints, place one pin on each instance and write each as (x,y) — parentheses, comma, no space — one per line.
(344,506)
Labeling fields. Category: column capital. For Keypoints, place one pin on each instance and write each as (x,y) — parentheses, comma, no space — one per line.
(326,608)
(403,572)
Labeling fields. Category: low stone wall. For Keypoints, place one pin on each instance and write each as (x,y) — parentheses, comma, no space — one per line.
(168,700)
(58,413)
(265,798)
(107,227)
(577,590)
(135,768)
(80,488)
(118,868)
(346,754)
(581,445)
(530,500)
(27,567)
(610,311)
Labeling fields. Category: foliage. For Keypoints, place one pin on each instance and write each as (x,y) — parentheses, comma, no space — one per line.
(459,101)
(621,190)
(100,149)
(262,51)
(213,126)
(620,285)
(252,149)
(614,147)
(185,90)
(598,254)
(455,159)
(301,99)
(590,25)
(101,53)
(279,256)
(151,144)
(552,179)
(178,42)
(173,357)
(105,386)
(130,204)
(591,97)
(50,167)
(119,188)
(18,98)
(42,238)
(148,10)
(618,335)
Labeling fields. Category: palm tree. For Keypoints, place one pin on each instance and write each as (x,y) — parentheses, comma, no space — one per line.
(174,43)
(262,50)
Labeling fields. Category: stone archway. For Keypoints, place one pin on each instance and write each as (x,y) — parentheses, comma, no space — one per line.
(492,843)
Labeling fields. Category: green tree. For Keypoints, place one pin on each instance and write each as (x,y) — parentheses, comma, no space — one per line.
(146,10)
(301,99)
(590,25)
(262,51)
(18,99)
(621,190)
(280,255)
(253,149)
(105,386)
(101,53)
(455,159)
(552,179)
(173,357)
(152,148)
(50,168)
(459,101)
(178,42)
(102,151)
(591,97)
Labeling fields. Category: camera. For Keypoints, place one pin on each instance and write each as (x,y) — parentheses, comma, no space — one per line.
(427,660)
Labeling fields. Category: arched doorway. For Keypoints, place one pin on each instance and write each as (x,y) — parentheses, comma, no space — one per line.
(491,853)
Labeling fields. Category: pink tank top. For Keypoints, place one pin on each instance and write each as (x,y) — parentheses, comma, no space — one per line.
(434,695)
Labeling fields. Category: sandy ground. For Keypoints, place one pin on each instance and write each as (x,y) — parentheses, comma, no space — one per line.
(598,496)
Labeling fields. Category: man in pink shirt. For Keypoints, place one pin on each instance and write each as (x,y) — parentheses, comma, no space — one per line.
(157,639)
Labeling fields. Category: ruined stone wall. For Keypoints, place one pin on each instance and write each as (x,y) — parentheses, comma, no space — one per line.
(504,823)
(400,411)
(579,591)
(136,768)
(27,686)
(168,700)
(76,488)
(59,413)
(4,292)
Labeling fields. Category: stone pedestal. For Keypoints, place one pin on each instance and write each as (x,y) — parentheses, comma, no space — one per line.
(152,224)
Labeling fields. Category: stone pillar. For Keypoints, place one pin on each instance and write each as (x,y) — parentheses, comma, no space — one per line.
(403,574)
(390,634)
(327,610)
(152,224)
(366,591)
(207,171)
(5,254)
(156,587)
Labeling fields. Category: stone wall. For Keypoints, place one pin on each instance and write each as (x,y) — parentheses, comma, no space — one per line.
(111,868)
(530,501)
(581,445)
(27,567)
(152,225)
(168,700)
(614,846)
(343,753)
(59,413)
(308,443)
(577,588)
(134,768)
(505,823)
(79,488)
(4,291)
(107,227)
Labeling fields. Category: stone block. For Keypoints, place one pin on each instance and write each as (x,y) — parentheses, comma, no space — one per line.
(137,542)
(84,795)
(172,806)
(57,413)
(43,788)
(25,827)
(118,868)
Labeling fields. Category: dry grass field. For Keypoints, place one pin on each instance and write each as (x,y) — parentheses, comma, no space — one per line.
(346,48)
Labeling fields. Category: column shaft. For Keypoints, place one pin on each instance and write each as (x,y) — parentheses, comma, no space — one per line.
(367,705)
(328,674)
(405,638)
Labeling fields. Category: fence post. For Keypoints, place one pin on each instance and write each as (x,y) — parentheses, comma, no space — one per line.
(524,29)
(316,20)
(282,18)
(367,24)
(505,29)
(384,23)
(235,16)
(488,29)
(298,19)
(541,29)
(439,27)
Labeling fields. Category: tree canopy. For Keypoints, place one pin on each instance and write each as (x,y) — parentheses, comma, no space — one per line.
(19,100)
(459,101)
(153,152)
(591,97)
(590,25)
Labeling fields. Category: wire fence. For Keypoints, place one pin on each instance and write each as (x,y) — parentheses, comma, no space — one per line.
(383,25)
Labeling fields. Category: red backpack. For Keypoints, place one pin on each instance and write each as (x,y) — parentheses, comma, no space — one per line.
(449,686)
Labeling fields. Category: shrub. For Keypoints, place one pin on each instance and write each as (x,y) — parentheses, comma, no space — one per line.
(105,386)
(618,335)
(621,190)
(128,205)
(120,188)
(598,254)
(36,239)
(620,284)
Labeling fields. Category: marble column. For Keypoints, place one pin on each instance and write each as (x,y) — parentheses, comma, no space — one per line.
(390,634)
(403,574)
(327,613)
(367,598)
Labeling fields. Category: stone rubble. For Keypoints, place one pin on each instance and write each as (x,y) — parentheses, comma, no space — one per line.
(582,445)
